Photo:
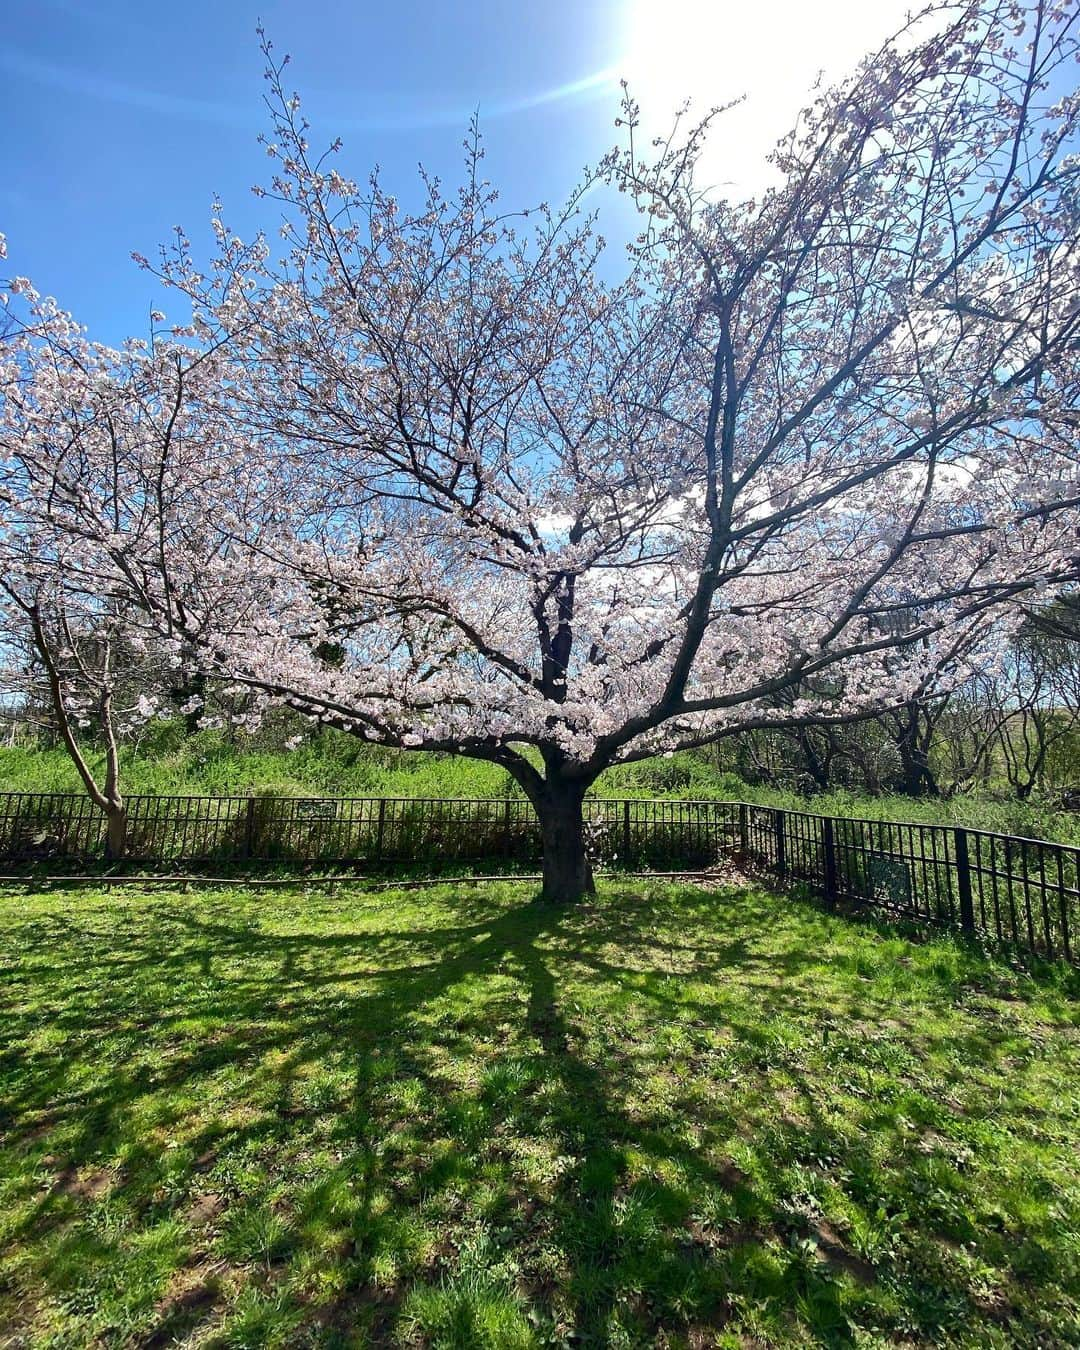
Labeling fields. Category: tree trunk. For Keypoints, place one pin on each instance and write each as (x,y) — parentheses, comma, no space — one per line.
(917,779)
(115,832)
(567,871)
(816,765)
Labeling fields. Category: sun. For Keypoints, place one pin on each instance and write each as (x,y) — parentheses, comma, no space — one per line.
(767,55)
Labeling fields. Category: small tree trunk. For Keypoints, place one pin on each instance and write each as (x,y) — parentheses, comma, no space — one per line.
(115,831)
(115,806)
(816,765)
(567,872)
(917,780)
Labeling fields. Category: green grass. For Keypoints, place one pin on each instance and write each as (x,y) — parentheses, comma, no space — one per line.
(333,764)
(458,1118)
(1030,819)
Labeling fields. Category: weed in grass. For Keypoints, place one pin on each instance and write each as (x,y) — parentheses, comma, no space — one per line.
(473,1307)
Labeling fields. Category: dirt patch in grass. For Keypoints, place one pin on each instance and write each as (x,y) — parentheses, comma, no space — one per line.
(191,1301)
(203,1210)
(81,1183)
(833,1251)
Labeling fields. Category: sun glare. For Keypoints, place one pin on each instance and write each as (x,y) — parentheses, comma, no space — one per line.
(714,51)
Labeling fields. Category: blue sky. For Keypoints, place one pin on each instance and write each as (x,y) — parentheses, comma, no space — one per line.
(123,119)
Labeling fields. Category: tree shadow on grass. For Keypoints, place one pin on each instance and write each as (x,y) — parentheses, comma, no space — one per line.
(625,1108)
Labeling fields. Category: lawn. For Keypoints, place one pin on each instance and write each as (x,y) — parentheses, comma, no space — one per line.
(675,1117)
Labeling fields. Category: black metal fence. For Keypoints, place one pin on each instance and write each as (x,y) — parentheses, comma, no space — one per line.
(354,830)
(331,830)
(1012,891)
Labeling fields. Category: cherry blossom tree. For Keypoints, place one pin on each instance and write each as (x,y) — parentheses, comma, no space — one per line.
(90,679)
(809,456)
(100,468)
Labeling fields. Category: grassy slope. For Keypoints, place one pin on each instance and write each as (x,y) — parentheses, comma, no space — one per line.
(673,1117)
(341,766)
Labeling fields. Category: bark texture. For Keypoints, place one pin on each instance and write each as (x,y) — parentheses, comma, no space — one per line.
(567,871)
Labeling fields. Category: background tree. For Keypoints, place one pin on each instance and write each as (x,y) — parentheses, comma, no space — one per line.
(97,676)
(560,524)
(1038,698)
(102,474)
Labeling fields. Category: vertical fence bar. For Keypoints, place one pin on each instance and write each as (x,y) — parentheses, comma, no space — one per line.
(995,872)
(744,835)
(781,851)
(963,881)
(983,922)
(1029,917)
(1062,906)
(249,829)
(1045,905)
(828,850)
(381,828)
(1014,933)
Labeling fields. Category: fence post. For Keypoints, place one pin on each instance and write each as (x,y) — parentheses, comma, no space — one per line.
(249,828)
(744,835)
(828,846)
(626,833)
(963,881)
(507,838)
(382,826)
(781,850)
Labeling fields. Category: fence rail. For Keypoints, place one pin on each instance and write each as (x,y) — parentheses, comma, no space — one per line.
(1013,891)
